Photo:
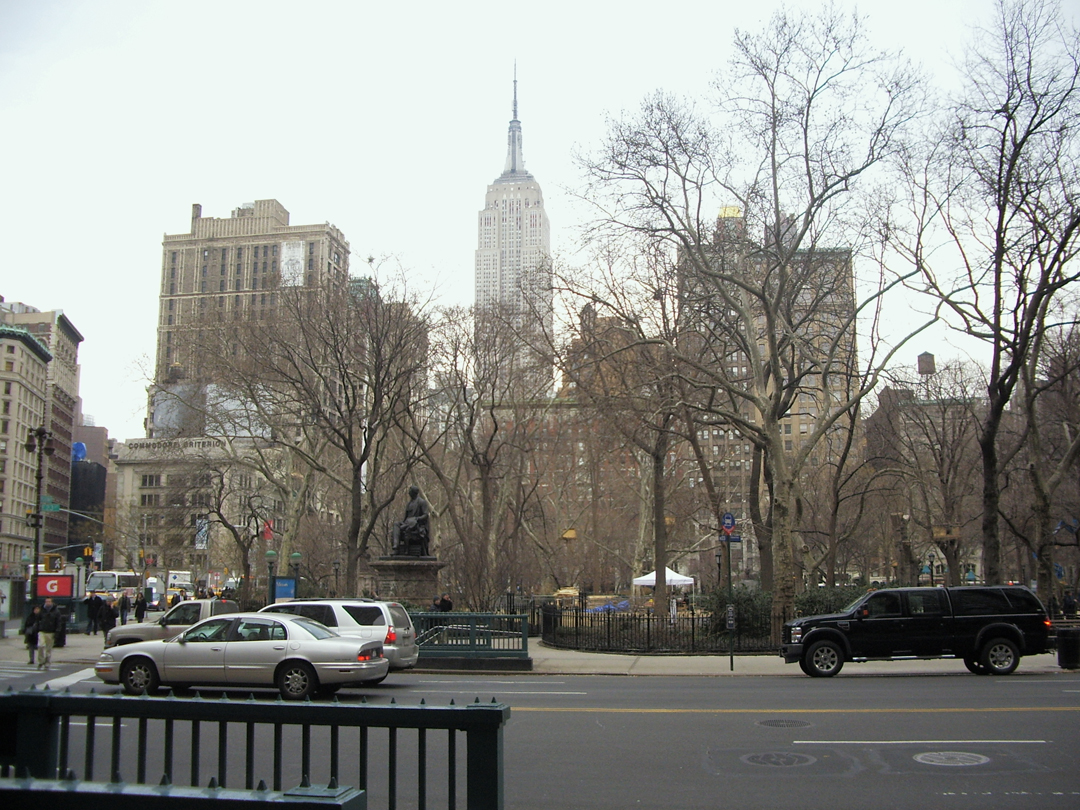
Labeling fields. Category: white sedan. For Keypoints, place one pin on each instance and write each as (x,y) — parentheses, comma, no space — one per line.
(298,656)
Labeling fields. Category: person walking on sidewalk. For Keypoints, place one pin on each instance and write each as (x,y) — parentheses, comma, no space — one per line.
(124,606)
(140,607)
(107,619)
(93,605)
(30,632)
(48,623)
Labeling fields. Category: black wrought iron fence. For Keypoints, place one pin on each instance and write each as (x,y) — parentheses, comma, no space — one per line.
(641,632)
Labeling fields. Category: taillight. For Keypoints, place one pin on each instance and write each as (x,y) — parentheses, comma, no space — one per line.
(1049,624)
(391,635)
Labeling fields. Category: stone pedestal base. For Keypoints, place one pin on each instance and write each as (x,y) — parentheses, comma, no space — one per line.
(414,580)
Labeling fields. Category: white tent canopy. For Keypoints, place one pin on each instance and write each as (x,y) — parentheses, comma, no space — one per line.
(670,577)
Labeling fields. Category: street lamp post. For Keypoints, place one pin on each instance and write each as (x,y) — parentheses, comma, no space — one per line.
(337,571)
(933,557)
(81,583)
(271,565)
(39,441)
(294,561)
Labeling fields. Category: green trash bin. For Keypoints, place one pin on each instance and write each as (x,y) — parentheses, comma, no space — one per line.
(1068,647)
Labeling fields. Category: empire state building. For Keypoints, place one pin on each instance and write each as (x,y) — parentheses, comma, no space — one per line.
(513,264)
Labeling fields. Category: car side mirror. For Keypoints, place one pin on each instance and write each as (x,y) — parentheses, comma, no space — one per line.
(163,622)
(863,613)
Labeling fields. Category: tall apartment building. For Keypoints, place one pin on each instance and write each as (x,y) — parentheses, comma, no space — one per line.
(230,269)
(31,401)
(513,254)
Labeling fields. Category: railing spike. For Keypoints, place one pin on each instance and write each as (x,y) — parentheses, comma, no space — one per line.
(261,787)
(452,701)
(393,701)
(493,699)
(363,698)
(251,697)
(477,699)
(46,688)
(165,781)
(213,783)
(333,783)
(423,702)
(224,697)
(70,775)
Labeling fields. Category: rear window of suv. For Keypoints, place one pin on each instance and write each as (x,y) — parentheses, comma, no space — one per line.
(979,602)
(365,615)
(1025,601)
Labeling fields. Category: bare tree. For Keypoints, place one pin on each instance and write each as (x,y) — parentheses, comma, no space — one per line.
(1004,186)
(808,114)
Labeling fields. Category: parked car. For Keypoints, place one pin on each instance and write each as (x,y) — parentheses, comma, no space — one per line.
(989,628)
(298,656)
(369,619)
(183,615)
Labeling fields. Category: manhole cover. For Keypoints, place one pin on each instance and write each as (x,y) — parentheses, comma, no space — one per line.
(784,723)
(781,759)
(951,759)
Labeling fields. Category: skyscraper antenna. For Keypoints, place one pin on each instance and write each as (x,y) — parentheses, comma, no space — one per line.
(515,90)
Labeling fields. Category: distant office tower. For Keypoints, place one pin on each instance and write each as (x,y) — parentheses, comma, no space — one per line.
(230,270)
(513,261)
(40,379)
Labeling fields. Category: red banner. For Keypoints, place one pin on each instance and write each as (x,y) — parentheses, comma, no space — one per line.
(55,584)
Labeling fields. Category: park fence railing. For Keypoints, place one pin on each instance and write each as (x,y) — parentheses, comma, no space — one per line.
(472,635)
(60,750)
(601,630)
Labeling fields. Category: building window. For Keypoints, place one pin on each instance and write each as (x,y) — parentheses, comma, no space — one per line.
(151,481)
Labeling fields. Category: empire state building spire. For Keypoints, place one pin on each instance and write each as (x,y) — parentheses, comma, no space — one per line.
(514,170)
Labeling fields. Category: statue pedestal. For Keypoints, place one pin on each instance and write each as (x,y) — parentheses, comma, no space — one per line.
(408,579)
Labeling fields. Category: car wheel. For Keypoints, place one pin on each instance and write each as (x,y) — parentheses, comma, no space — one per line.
(1000,656)
(975,666)
(139,676)
(824,659)
(805,667)
(296,680)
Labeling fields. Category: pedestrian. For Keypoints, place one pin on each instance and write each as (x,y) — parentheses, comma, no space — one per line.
(124,606)
(445,605)
(93,605)
(30,632)
(107,618)
(436,604)
(48,622)
(140,607)
(1068,605)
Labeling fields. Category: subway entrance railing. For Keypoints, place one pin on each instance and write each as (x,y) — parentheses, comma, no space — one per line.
(473,635)
(328,754)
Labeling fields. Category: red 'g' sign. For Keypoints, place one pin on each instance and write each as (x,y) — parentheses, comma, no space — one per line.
(54,584)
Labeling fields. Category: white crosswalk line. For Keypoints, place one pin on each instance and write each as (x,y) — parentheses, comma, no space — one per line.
(69,680)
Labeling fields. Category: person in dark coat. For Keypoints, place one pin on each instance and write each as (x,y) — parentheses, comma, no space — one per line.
(124,606)
(47,625)
(107,616)
(93,605)
(445,605)
(30,632)
(140,607)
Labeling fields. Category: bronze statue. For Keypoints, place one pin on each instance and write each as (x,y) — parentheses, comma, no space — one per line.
(411,536)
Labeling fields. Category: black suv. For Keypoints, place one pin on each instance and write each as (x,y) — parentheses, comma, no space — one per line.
(988,627)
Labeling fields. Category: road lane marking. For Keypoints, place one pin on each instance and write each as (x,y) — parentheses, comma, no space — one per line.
(918,742)
(796,711)
(70,680)
(471,692)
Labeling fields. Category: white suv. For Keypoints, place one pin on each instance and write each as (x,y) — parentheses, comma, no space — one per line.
(368,619)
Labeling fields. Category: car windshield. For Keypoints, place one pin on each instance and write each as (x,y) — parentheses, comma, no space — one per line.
(315,629)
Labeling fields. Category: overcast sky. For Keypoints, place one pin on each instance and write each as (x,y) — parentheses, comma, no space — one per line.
(388,121)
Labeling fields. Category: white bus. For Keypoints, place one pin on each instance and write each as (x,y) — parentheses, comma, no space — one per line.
(114,583)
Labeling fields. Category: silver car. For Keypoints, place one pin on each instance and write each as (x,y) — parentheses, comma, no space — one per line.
(369,619)
(298,656)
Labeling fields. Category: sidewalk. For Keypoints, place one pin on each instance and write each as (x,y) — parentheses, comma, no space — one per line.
(84,650)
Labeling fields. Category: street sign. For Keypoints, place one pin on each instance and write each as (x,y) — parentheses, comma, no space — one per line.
(730,617)
(731,538)
(727,523)
(50,507)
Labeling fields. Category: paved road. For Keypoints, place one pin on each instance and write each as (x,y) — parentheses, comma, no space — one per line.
(874,738)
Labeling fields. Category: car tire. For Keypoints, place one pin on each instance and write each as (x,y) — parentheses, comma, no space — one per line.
(296,680)
(975,667)
(824,659)
(1000,656)
(139,676)
(805,667)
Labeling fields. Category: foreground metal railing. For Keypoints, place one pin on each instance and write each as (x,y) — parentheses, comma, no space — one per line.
(169,740)
(498,635)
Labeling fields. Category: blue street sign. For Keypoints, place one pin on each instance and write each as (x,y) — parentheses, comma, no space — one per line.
(733,538)
(728,522)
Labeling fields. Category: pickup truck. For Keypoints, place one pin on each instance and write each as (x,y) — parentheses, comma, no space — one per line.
(989,628)
(175,621)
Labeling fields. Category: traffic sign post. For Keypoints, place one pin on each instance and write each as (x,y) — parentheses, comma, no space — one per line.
(727,526)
